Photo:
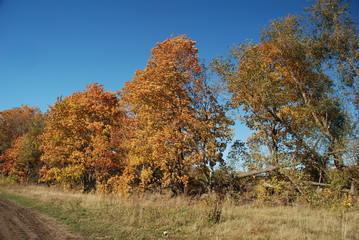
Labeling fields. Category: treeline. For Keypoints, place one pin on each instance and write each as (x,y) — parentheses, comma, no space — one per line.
(163,130)
(297,90)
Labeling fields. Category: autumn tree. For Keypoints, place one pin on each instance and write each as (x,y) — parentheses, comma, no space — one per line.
(19,131)
(334,41)
(82,140)
(213,136)
(177,126)
(14,123)
(288,98)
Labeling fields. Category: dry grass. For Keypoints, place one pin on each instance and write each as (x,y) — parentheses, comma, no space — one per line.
(148,217)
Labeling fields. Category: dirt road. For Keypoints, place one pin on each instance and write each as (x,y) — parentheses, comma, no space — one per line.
(19,223)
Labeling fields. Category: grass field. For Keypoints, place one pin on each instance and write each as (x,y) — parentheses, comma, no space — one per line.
(160,217)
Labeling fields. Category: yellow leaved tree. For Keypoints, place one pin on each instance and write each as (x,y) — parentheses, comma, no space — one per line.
(177,128)
(82,140)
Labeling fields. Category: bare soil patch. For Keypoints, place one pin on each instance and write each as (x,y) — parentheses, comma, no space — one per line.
(17,222)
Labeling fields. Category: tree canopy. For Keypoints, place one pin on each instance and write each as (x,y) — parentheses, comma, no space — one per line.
(82,140)
(176,123)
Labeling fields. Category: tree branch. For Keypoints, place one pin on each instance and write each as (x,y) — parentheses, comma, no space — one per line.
(264,170)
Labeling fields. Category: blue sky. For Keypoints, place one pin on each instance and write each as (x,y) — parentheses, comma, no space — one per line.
(51,48)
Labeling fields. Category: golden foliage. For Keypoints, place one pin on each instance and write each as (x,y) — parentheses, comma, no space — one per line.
(174,119)
(19,131)
(82,140)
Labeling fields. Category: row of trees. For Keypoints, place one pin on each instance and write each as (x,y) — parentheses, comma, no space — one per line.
(164,129)
(296,90)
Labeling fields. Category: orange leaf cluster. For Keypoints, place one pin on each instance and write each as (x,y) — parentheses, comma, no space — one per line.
(173,125)
(19,151)
(80,144)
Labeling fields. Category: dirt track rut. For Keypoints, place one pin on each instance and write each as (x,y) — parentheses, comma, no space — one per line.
(20,223)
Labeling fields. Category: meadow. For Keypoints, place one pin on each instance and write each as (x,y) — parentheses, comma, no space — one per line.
(155,216)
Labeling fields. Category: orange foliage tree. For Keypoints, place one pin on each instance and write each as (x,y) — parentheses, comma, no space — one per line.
(19,131)
(288,99)
(177,126)
(82,140)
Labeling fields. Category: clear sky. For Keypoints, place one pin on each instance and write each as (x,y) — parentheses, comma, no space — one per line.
(51,48)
